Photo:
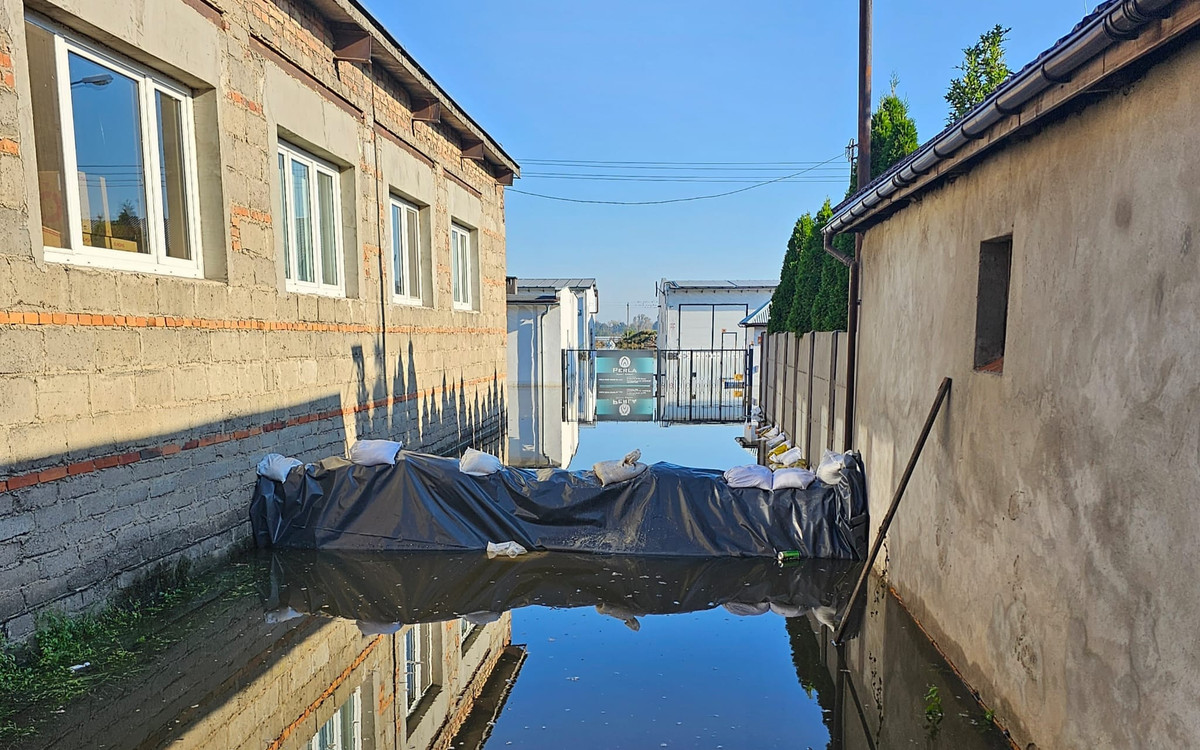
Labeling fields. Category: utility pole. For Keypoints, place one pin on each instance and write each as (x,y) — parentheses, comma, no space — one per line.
(864,178)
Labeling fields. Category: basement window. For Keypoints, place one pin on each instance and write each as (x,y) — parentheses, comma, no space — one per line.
(991,311)
(115,157)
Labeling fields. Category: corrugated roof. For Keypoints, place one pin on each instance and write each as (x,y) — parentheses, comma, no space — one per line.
(532,296)
(757,318)
(722,284)
(573,284)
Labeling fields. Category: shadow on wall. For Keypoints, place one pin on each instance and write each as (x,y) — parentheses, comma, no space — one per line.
(77,524)
(439,419)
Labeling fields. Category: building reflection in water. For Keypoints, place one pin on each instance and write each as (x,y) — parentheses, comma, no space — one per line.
(363,651)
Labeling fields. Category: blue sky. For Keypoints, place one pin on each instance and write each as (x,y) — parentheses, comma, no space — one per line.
(770,81)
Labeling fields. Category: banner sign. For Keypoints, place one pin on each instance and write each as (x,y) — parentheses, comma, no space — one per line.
(625,384)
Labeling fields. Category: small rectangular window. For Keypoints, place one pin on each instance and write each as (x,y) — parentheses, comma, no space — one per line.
(311,223)
(462,268)
(406,253)
(115,157)
(991,312)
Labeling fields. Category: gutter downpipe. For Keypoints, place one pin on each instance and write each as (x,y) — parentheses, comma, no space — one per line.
(851,336)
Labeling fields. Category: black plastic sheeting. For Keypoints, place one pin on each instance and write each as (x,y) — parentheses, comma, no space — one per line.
(416,587)
(425,503)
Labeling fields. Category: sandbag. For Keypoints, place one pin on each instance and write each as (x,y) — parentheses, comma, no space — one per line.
(277,467)
(375,452)
(478,464)
(612,472)
(832,467)
(785,479)
(751,475)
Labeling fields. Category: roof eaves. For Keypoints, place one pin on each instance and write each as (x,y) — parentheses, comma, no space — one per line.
(392,48)
(1113,22)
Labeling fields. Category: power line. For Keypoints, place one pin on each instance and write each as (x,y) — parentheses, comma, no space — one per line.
(678,200)
(599,163)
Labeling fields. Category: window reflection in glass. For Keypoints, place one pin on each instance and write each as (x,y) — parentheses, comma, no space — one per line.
(398,276)
(47,136)
(302,221)
(108,152)
(329,269)
(414,252)
(171,177)
(283,197)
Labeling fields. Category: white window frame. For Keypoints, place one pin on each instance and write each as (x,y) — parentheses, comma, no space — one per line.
(400,251)
(149,83)
(418,659)
(348,716)
(317,166)
(462,265)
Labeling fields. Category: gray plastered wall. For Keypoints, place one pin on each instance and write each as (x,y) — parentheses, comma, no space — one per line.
(1047,538)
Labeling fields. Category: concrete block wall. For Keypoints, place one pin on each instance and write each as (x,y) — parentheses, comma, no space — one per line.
(241,682)
(133,406)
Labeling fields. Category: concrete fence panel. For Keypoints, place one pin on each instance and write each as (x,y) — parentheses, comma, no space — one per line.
(840,381)
(821,389)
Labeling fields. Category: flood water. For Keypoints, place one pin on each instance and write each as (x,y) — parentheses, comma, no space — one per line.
(550,650)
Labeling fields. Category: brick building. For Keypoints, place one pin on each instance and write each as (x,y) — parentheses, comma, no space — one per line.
(230,227)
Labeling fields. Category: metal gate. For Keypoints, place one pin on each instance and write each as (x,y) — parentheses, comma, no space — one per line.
(667,385)
(703,385)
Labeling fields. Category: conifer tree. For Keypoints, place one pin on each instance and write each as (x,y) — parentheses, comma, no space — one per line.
(808,280)
(983,69)
(781,299)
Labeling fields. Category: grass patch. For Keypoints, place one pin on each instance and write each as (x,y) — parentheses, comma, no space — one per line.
(37,678)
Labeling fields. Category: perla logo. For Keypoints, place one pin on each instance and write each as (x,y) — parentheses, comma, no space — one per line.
(625,361)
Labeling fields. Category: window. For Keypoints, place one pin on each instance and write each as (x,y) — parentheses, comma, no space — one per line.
(406,253)
(343,731)
(312,227)
(115,158)
(467,632)
(418,665)
(991,312)
(462,268)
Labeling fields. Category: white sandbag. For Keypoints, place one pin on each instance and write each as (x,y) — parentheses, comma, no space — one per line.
(751,475)
(830,470)
(746,610)
(368,627)
(481,618)
(611,472)
(504,549)
(827,616)
(777,440)
(766,432)
(790,457)
(277,467)
(283,614)
(788,610)
(786,479)
(374,452)
(479,464)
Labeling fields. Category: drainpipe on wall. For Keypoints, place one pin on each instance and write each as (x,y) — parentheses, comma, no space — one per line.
(864,177)
(851,338)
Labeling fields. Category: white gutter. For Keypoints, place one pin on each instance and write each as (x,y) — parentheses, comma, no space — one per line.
(1122,19)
